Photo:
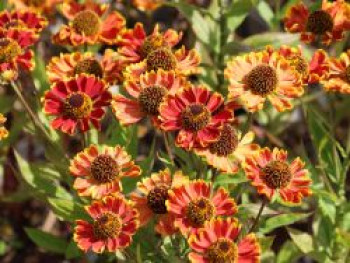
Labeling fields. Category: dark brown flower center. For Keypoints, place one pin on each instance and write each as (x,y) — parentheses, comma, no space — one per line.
(300,64)
(156,199)
(15,24)
(150,99)
(261,80)
(151,43)
(87,22)
(104,169)
(107,226)
(35,3)
(89,66)
(276,174)
(223,251)
(347,74)
(195,117)
(9,49)
(227,142)
(319,22)
(161,58)
(77,105)
(199,211)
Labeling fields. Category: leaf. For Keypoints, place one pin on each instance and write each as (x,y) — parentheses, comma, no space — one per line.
(303,240)
(288,253)
(73,251)
(226,179)
(328,208)
(266,12)
(68,210)
(281,220)
(238,12)
(259,41)
(47,241)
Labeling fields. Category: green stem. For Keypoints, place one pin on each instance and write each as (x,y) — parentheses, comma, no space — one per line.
(256,221)
(249,123)
(167,147)
(222,41)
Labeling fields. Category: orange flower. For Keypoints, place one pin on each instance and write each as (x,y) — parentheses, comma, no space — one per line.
(115,221)
(339,74)
(151,195)
(218,242)
(227,153)
(41,6)
(147,5)
(328,23)
(270,172)
(99,172)
(147,94)
(109,67)
(312,71)
(3,131)
(86,25)
(196,203)
(257,76)
(197,114)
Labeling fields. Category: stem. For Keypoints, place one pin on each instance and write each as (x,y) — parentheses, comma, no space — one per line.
(263,204)
(167,147)
(249,123)
(222,40)
(215,174)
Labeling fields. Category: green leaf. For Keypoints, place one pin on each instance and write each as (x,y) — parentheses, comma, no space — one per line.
(238,12)
(47,241)
(328,208)
(226,179)
(2,248)
(68,210)
(259,41)
(266,12)
(303,240)
(73,251)
(288,253)
(281,220)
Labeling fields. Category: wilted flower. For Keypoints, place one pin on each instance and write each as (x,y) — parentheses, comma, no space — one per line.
(3,131)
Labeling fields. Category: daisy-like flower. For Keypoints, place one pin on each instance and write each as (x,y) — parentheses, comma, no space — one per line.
(197,114)
(147,94)
(312,71)
(41,6)
(15,53)
(88,24)
(114,223)
(22,21)
(339,74)
(271,173)
(76,102)
(3,131)
(147,5)
(196,203)
(109,67)
(230,150)
(258,76)
(218,242)
(98,171)
(151,195)
(328,23)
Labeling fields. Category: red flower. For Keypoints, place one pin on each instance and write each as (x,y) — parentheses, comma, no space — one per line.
(77,102)
(270,173)
(114,223)
(196,203)
(197,114)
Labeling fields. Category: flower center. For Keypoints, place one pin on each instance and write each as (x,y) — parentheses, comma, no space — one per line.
(9,49)
(161,58)
(347,74)
(276,174)
(195,117)
(227,142)
(152,43)
(156,199)
(262,80)
(86,22)
(223,251)
(78,105)
(319,22)
(299,63)
(15,24)
(150,99)
(107,226)
(199,211)
(35,3)
(89,66)
(104,169)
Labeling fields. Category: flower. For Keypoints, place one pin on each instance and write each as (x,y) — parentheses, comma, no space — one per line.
(312,71)
(270,172)
(22,21)
(197,114)
(328,23)
(339,74)
(230,149)
(115,221)
(196,203)
(41,6)
(147,94)
(76,102)
(3,131)
(98,172)
(258,76)
(147,5)
(88,25)
(151,195)
(109,67)
(218,242)
(15,53)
